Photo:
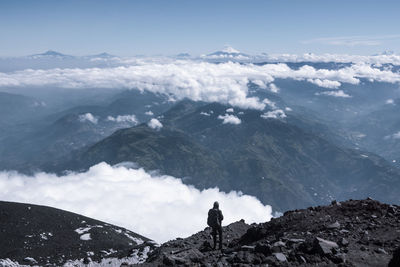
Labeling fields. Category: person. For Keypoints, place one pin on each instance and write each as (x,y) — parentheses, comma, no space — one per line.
(214,220)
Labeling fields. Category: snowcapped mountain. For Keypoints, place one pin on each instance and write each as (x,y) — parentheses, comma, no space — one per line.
(228,53)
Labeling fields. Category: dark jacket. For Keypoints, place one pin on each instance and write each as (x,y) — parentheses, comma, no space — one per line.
(219,212)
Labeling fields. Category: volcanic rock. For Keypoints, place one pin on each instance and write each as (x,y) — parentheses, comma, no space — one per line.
(39,235)
(299,238)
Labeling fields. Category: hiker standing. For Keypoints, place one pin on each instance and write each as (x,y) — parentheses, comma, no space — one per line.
(214,220)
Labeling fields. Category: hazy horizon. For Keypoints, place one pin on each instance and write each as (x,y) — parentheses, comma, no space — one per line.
(128,28)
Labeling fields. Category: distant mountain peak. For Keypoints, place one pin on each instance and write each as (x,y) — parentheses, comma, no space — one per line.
(51,53)
(183,55)
(228,53)
(230,50)
(103,55)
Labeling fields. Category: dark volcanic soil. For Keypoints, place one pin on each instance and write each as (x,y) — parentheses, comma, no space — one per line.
(32,234)
(351,233)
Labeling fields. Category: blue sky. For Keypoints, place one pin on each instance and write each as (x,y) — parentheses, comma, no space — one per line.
(168,27)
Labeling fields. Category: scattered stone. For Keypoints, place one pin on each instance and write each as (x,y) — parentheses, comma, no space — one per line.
(323,246)
(248,248)
(280,257)
(279,244)
(344,242)
(338,258)
(30,260)
(334,225)
(296,240)
(380,251)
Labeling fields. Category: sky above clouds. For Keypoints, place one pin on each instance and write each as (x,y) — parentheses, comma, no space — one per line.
(153,27)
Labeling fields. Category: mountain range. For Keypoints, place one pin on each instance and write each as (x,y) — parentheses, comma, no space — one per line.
(274,160)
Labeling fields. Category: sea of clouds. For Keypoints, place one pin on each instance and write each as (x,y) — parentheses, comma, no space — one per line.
(158,207)
(226,83)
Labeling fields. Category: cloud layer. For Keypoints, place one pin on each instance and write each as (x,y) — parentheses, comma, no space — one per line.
(159,207)
(353,40)
(226,83)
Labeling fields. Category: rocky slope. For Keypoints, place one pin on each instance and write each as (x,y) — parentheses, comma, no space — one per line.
(39,235)
(351,233)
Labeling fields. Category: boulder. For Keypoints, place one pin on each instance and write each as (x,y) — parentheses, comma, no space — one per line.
(280,257)
(324,247)
(334,225)
(30,260)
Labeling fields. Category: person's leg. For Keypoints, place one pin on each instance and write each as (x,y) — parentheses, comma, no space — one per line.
(220,237)
(214,235)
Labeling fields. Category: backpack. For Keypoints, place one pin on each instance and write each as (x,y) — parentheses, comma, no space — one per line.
(213,218)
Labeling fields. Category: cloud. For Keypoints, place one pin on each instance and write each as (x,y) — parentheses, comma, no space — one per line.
(230,110)
(338,58)
(205,113)
(273,88)
(88,117)
(325,83)
(393,136)
(338,93)
(230,119)
(274,114)
(270,103)
(260,84)
(124,118)
(155,124)
(226,83)
(390,102)
(150,113)
(158,207)
(353,40)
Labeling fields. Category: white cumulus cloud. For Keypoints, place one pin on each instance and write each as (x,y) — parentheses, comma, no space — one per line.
(124,118)
(155,124)
(338,93)
(390,102)
(393,136)
(229,119)
(158,207)
(273,88)
(325,83)
(274,114)
(88,117)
